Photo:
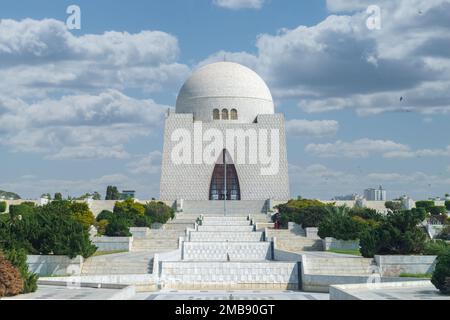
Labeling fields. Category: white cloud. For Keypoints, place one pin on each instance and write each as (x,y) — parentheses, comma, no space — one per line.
(341,64)
(239,4)
(149,164)
(63,95)
(362,148)
(421,153)
(321,128)
(38,56)
(78,126)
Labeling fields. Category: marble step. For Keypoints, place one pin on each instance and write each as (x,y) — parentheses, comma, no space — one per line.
(268,275)
(226,228)
(225,236)
(224,251)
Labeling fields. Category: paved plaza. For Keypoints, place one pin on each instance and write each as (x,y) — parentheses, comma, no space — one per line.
(232,295)
(65,293)
(422,292)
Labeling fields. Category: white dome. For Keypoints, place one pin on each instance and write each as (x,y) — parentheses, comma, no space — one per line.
(225,85)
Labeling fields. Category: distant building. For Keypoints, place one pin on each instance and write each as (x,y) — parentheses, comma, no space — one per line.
(375,194)
(127,194)
(349,197)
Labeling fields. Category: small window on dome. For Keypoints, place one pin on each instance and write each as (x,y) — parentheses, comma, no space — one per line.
(225,114)
(216,114)
(234,114)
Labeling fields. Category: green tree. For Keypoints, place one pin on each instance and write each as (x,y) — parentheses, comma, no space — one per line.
(427,205)
(46,196)
(159,212)
(393,205)
(96,196)
(58,196)
(112,193)
(105,215)
(291,211)
(438,210)
(60,233)
(3,206)
(340,225)
(399,233)
(447,205)
(118,227)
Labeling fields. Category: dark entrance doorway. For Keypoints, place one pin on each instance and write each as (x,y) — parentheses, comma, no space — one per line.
(216,190)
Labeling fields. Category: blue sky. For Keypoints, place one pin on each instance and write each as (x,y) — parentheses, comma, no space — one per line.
(81,109)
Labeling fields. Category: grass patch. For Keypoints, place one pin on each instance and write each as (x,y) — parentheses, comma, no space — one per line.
(349,252)
(104,253)
(416,275)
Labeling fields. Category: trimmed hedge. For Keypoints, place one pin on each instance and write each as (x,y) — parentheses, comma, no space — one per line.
(427,205)
(438,210)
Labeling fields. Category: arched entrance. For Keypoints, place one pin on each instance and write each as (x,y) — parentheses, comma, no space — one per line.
(217,187)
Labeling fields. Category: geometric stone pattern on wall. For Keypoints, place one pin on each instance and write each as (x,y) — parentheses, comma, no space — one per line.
(221,251)
(192,181)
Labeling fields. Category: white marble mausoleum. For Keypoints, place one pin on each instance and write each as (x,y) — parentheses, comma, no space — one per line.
(224,107)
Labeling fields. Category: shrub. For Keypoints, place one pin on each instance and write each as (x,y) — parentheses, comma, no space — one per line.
(291,212)
(3,206)
(438,210)
(393,205)
(118,227)
(397,234)
(105,215)
(427,205)
(19,259)
(129,210)
(447,205)
(11,283)
(445,233)
(82,214)
(158,212)
(435,248)
(101,227)
(369,243)
(340,225)
(366,213)
(60,233)
(441,275)
(310,217)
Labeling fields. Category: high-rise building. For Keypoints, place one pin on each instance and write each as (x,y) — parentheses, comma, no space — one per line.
(375,194)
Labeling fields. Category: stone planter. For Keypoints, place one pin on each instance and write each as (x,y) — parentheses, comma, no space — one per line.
(113,243)
(393,266)
(54,265)
(335,244)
